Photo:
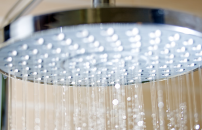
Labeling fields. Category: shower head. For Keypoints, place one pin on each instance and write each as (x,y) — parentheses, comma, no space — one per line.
(102,46)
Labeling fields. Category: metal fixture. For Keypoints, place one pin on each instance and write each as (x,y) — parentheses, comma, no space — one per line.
(83,43)
(101,3)
(101,47)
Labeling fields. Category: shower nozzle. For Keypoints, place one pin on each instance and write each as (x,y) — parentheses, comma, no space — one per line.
(101,50)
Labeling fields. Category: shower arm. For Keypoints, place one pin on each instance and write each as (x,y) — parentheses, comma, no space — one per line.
(101,3)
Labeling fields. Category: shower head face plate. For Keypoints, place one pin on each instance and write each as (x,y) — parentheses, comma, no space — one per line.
(103,54)
(87,53)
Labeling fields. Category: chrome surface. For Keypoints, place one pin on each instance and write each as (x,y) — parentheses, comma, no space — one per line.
(99,15)
(32,26)
(102,3)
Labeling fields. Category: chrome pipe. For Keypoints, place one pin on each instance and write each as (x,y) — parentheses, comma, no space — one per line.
(101,3)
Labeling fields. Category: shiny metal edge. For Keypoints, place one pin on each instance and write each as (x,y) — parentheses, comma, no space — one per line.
(200,67)
(28,25)
(12,76)
(168,19)
(103,3)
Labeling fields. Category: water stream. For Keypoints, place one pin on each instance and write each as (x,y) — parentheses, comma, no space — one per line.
(173,103)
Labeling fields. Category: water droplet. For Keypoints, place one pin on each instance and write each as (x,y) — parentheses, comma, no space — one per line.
(124,117)
(161,104)
(116,126)
(115,102)
(129,98)
(84,124)
(197,127)
(140,123)
(37,120)
(117,86)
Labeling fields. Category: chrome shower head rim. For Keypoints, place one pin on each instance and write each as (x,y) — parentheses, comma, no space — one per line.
(93,16)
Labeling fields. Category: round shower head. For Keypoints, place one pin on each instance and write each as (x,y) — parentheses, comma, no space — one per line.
(102,46)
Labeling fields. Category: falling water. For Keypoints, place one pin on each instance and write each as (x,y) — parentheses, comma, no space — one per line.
(189,100)
(10,123)
(24,100)
(200,89)
(45,104)
(196,120)
(173,103)
(14,103)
